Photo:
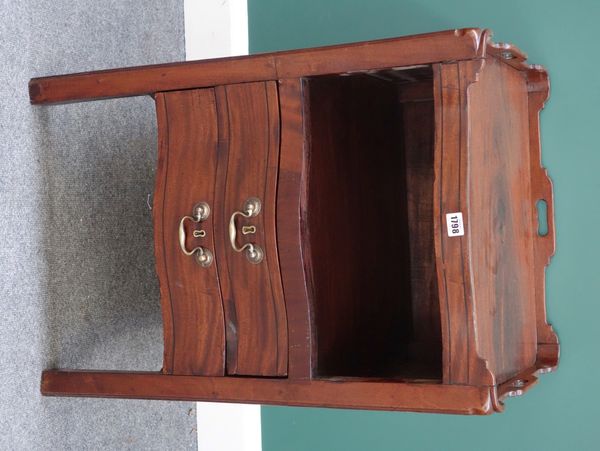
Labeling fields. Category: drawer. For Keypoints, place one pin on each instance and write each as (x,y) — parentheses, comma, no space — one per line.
(218,268)
(255,323)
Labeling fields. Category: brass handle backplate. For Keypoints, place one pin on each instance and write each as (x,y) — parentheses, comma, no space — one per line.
(251,208)
(201,212)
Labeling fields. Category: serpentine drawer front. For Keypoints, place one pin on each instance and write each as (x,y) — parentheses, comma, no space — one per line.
(219,272)
(352,226)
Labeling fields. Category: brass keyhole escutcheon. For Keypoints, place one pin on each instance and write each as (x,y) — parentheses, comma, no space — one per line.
(247,230)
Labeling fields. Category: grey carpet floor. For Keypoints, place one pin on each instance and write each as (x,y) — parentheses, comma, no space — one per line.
(77,281)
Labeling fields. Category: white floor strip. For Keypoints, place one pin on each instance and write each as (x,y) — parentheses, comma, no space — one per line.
(228,427)
(216,28)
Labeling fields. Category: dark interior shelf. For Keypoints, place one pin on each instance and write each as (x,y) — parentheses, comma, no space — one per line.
(370,224)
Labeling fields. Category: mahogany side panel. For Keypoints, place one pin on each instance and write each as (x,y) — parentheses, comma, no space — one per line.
(541,189)
(500,214)
(291,206)
(255,314)
(453,308)
(190,295)
(374,395)
(462,362)
(146,80)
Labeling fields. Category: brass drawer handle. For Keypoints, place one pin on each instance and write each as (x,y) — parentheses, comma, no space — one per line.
(251,208)
(204,257)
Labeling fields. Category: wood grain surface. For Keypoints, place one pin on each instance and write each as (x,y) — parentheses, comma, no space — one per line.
(500,219)
(538,87)
(462,362)
(372,265)
(186,175)
(291,236)
(352,394)
(453,303)
(147,80)
(255,315)
(419,124)
(354,180)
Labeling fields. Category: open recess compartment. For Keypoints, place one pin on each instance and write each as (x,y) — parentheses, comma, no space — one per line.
(369,226)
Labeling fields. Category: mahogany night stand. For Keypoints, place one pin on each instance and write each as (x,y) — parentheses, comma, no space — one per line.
(350,226)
